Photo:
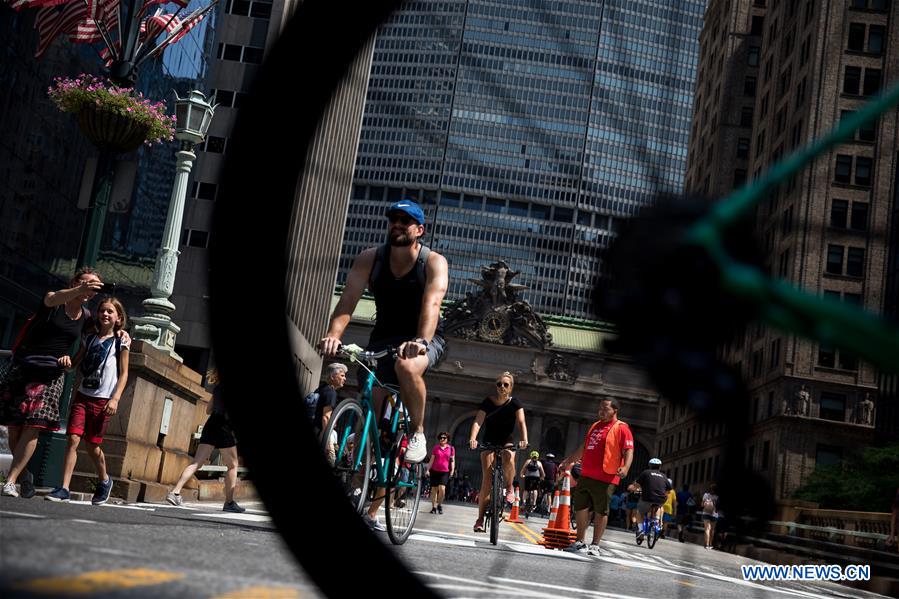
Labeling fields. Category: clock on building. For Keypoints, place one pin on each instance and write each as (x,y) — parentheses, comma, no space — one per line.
(494,325)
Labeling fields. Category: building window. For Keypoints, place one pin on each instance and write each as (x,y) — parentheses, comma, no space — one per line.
(215,144)
(743,147)
(843,172)
(876,34)
(855,262)
(739,177)
(835,259)
(753,57)
(758,25)
(828,455)
(839,213)
(205,191)
(863,170)
(749,85)
(784,265)
(827,355)
(859,220)
(833,406)
(766,455)
(872,82)
(856,37)
(746,116)
(852,78)
(194,238)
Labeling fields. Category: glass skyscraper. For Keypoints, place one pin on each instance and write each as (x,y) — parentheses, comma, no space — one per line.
(526,131)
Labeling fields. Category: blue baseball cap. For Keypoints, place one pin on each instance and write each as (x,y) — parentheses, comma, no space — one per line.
(410,208)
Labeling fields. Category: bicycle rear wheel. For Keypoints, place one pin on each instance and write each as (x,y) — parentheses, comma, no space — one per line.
(496,500)
(401,507)
(340,448)
(652,535)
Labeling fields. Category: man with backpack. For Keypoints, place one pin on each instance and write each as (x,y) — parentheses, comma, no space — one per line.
(321,402)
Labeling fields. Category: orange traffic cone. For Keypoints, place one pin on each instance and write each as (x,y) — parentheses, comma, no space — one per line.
(513,515)
(561,535)
(553,514)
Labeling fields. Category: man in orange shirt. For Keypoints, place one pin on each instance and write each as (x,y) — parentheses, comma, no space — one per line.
(606,457)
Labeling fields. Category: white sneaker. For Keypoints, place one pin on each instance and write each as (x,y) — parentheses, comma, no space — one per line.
(373,523)
(576,547)
(174,498)
(417,450)
(9,490)
(593,550)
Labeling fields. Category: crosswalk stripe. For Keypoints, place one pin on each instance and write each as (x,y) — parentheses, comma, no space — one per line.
(556,588)
(98,582)
(261,592)
(442,540)
(230,516)
(21,514)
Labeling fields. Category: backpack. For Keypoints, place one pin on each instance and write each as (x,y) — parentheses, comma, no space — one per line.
(311,404)
(708,504)
(382,255)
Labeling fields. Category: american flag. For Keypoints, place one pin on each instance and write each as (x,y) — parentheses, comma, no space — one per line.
(20,4)
(154,24)
(101,13)
(149,3)
(53,20)
(188,23)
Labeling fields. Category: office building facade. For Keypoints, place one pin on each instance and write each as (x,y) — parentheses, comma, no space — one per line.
(773,77)
(525,134)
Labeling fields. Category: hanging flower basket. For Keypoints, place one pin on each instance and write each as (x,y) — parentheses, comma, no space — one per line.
(112,118)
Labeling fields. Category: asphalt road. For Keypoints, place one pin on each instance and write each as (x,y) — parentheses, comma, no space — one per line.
(52,549)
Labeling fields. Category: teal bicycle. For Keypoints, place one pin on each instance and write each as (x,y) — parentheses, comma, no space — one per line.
(367,457)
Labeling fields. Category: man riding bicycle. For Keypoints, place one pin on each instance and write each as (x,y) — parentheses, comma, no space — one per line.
(533,474)
(654,487)
(408,282)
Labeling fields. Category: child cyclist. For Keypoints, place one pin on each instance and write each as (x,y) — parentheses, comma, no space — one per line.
(103,361)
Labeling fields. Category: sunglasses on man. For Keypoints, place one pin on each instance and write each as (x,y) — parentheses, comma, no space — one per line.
(403,219)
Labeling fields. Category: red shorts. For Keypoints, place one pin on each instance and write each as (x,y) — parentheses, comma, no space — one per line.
(87,418)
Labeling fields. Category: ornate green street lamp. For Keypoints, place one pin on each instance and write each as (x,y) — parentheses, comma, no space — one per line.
(193,115)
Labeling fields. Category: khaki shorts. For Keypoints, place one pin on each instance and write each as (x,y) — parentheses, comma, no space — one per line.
(593,494)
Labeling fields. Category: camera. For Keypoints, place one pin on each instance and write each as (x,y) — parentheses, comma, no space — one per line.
(91,383)
(108,288)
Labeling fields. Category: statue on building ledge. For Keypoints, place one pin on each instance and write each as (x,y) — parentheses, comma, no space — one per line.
(560,370)
(803,401)
(494,314)
(864,412)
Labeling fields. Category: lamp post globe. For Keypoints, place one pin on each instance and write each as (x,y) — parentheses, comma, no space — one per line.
(193,116)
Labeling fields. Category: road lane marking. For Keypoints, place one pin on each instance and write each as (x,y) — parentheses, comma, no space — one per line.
(526,532)
(83,521)
(442,540)
(686,583)
(22,514)
(98,582)
(541,550)
(556,588)
(261,592)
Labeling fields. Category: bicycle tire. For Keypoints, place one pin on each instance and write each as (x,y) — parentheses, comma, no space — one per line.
(496,500)
(652,535)
(399,515)
(349,418)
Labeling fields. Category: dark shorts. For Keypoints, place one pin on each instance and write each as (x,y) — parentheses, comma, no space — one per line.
(709,517)
(667,517)
(592,494)
(87,418)
(385,370)
(218,432)
(684,519)
(632,505)
(532,483)
(439,478)
(29,396)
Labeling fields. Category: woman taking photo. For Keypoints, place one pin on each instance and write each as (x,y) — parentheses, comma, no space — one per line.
(498,415)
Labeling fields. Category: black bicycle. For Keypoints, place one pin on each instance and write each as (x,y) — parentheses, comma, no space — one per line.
(494,512)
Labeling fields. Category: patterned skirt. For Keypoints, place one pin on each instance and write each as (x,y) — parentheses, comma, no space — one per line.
(29,396)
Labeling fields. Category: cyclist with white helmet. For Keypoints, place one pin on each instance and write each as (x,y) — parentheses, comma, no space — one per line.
(532,472)
(654,487)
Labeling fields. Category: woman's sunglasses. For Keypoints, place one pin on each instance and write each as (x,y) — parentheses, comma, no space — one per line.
(442,439)
(501,384)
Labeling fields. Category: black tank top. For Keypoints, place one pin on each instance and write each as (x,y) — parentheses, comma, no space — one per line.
(398,305)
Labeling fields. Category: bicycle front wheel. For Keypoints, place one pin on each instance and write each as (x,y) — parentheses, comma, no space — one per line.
(341,447)
(497,501)
(401,508)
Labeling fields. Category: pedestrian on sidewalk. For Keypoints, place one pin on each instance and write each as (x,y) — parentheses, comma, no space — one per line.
(32,382)
(442,466)
(685,508)
(710,514)
(103,362)
(606,456)
(217,434)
